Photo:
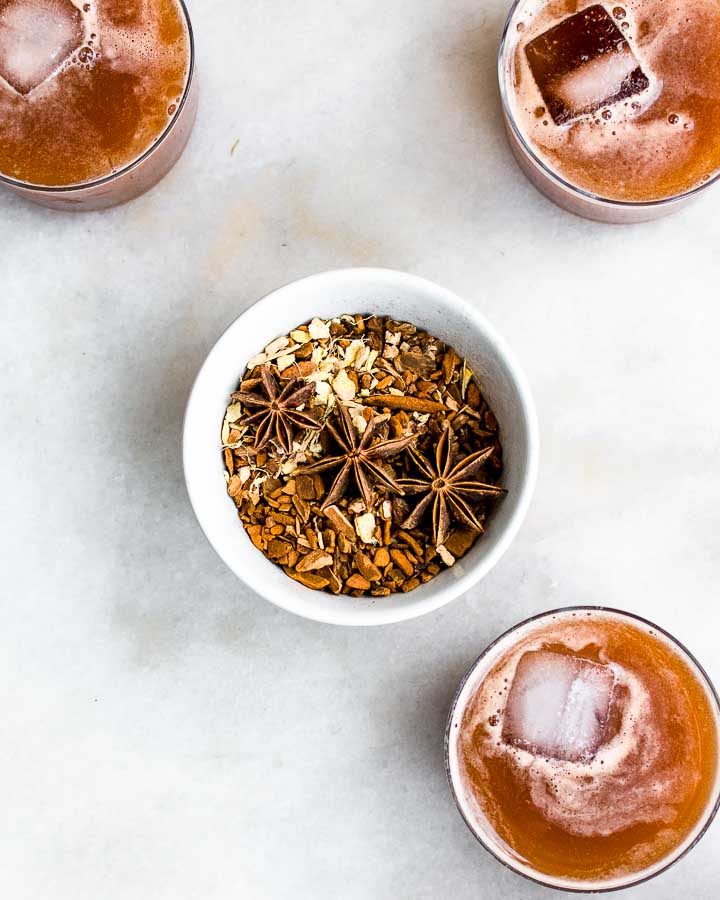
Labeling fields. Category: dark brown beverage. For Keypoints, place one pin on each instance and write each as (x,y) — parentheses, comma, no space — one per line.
(88,89)
(620,100)
(584,749)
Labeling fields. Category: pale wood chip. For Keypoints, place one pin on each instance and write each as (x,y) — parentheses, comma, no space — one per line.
(353,351)
(343,386)
(279,343)
(319,330)
(234,412)
(445,555)
(365,527)
(322,392)
(283,362)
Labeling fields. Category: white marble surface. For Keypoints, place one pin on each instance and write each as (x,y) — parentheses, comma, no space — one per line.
(166,735)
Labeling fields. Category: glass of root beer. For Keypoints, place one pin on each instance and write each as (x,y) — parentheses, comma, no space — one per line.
(613,109)
(582,749)
(97,98)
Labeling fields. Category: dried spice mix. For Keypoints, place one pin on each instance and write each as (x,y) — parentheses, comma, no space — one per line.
(361,455)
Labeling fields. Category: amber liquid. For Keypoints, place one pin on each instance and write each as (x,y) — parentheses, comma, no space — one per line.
(579,841)
(92,119)
(670,147)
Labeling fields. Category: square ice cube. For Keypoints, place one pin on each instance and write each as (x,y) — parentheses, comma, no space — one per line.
(584,63)
(558,705)
(36,37)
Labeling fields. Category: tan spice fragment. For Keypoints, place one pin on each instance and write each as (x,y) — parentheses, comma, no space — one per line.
(340,522)
(309,579)
(315,559)
(366,567)
(357,583)
(381,558)
(402,562)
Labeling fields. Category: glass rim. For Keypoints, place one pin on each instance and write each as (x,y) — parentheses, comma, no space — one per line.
(76,187)
(555,176)
(537,878)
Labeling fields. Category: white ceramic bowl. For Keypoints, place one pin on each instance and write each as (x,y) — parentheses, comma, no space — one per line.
(383,292)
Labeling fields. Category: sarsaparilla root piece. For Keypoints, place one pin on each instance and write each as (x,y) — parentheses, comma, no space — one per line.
(361,455)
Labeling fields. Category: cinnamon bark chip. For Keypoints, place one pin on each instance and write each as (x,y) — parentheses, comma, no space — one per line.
(361,455)
(339,521)
(382,558)
(402,562)
(316,559)
(357,583)
(366,567)
(411,404)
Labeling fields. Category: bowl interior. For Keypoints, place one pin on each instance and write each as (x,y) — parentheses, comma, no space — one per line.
(350,291)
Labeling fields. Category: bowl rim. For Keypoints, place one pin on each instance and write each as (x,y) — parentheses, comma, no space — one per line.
(444,594)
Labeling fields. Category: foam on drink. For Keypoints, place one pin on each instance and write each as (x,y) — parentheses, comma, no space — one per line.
(86,87)
(589,748)
(656,139)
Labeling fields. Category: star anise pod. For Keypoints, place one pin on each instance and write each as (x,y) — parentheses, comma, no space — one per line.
(448,487)
(358,459)
(278,410)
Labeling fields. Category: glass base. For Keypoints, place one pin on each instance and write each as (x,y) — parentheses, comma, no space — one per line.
(580,204)
(131,182)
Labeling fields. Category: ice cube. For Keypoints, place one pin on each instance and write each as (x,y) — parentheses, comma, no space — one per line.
(584,63)
(36,37)
(558,705)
